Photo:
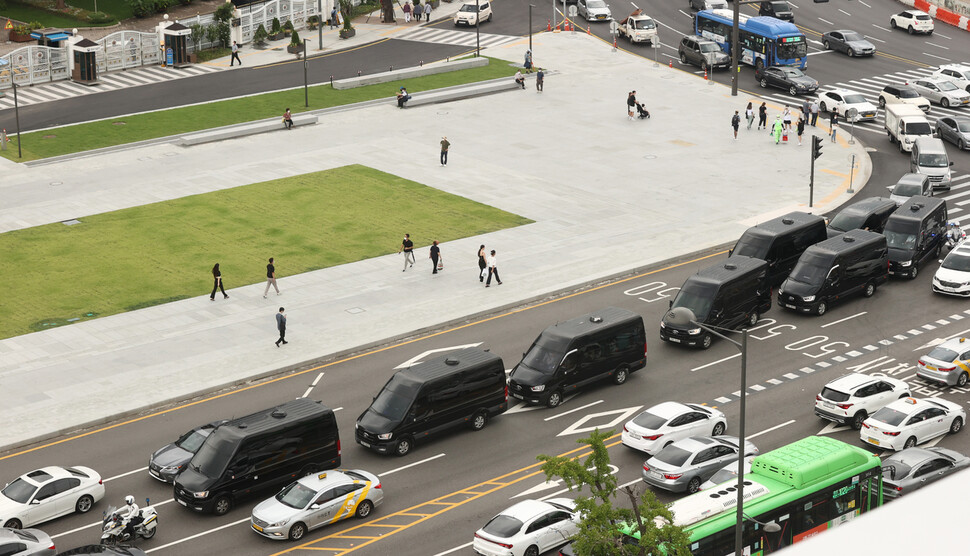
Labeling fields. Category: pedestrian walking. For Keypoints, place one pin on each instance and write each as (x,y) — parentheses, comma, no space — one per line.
(418,10)
(444,151)
(281,326)
(288,119)
(235,54)
(763,116)
(427,11)
(217,283)
(777,129)
(834,122)
(814,110)
(806,110)
(735,123)
(749,114)
(520,79)
(436,261)
(407,11)
(786,117)
(270,278)
(333,17)
(539,77)
(800,126)
(528,61)
(482,265)
(631,102)
(492,269)
(407,246)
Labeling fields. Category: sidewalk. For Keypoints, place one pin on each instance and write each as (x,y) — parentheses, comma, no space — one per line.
(607,195)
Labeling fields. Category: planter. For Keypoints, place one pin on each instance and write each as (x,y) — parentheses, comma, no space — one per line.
(294,48)
(276,37)
(347,33)
(16,37)
(193,58)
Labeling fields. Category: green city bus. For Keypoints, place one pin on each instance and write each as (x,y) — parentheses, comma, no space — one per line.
(805,487)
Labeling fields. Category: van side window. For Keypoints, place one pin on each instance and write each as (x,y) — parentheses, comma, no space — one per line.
(420,408)
(782,248)
(569,362)
(592,352)
(481,384)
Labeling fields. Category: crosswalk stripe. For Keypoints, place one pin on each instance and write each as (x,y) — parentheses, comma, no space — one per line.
(444,36)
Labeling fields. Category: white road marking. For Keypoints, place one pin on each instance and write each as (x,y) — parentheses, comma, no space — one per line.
(722,399)
(870,37)
(843,320)
(522,407)
(937,341)
(815,42)
(98,524)
(426,460)
(935,34)
(821,52)
(456,549)
(833,427)
(776,427)
(845,12)
(793,5)
(937,57)
(125,474)
(180,541)
(825,21)
(620,416)
(312,385)
(421,356)
(572,410)
(864,4)
(715,362)
(882,28)
(685,13)
(545,485)
(938,46)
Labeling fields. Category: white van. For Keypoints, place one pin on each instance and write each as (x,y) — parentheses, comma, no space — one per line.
(929,159)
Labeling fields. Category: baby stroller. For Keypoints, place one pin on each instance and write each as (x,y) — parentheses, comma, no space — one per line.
(642,112)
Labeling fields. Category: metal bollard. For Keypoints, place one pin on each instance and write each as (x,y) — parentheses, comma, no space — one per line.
(851,172)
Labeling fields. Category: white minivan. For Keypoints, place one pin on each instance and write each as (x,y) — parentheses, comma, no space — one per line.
(929,159)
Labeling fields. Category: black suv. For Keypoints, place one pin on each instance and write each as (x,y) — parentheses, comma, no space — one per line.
(778,9)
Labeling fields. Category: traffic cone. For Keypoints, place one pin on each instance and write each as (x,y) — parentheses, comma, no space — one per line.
(705,75)
(548,25)
(671,64)
(588,32)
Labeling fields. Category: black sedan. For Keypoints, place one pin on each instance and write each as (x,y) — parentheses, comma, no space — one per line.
(783,77)
(955,130)
(850,42)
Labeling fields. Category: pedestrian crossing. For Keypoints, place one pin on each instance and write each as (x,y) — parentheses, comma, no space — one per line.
(869,87)
(461,38)
(60,90)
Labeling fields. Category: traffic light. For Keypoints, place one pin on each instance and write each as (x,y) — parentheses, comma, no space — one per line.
(816,147)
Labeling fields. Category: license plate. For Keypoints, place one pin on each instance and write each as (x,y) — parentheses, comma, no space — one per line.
(828,405)
(517,396)
(257,527)
(364,444)
(675,340)
(182,502)
(874,441)
(790,306)
(634,435)
(891,271)
(656,475)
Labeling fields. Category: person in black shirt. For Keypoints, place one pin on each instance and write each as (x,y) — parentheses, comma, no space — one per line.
(434,256)
(217,283)
(270,278)
(407,247)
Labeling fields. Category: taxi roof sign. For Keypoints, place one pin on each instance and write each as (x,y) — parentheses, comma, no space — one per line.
(322,476)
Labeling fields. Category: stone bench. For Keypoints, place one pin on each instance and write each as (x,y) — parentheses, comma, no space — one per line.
(242,130)
(408,73)
(461,92)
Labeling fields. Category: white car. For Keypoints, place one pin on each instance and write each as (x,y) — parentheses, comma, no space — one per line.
(953,276)
(958,74)
(469,13)
(851,398)
(941,91)
(843,99)
(47,493)
(529,528)
(909,421)
(913,21)
(664,423)
(728,473)
(594,10)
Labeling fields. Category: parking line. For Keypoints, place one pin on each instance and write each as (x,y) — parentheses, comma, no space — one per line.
(456,549)
(386,473)
(715,362)
(197,535)
(124,474)
(843,320)
(776,427)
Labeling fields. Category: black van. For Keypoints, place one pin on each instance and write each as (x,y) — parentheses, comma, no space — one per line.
(868,214)
(856,261)
(778,9)
(915,232)
(729,294)
(780,242)
(463,387)
(566,356)
(259,452)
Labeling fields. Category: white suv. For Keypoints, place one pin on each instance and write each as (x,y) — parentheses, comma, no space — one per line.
(466,14)
(913,21)
(957,74)
(851,398)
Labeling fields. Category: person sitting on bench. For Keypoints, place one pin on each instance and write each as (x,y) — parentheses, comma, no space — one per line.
(288,119)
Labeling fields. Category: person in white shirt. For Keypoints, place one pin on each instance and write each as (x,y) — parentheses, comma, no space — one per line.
(492,269)
(786,117)
(519,79)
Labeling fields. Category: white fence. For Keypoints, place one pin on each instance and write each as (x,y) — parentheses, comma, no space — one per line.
(128,49)
(34,64)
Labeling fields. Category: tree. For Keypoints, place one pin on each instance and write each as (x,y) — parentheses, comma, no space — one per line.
(387,11)
(602,526)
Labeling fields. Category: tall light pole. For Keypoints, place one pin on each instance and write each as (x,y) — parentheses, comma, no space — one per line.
(306,90)
(478,22)
(16,111)
(530,24)
(736,47)
(320,24)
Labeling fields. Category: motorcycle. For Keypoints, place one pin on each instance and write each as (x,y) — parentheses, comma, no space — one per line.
(113,524)
(954,235)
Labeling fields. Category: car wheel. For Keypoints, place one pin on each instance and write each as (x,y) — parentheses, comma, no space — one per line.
(489,17)
(945,102)
(364,509)
(531,551)
(694,485)
(706,341)
(857,419)
(912,275)
(962,380)
(403,447)
(222,505)
(961,144)
(821,107)
(825,45)
(84,504)
(882,102)
(479,421)
(792,90)
(956,426)
(764,83)
(718,429)
(929,34)
(870,290)
(297,531)
(621,375)
(901,149)
(759,65)
(910,442)
(14,524)
(754,318)
(554,399)
(911,30)
(683,58)
(705,67)
(850,52)
(892,23)
(820,308)
(149,533)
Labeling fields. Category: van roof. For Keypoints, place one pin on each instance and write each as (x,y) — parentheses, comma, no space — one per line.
(274,418)
(790,221)
(448,364)
(730,269)
(928,144)
(592,322)
(867,205)
(849,241)
(916,208)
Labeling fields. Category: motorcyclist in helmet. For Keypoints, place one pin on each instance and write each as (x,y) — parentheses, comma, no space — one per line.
(954,233)
(129,514)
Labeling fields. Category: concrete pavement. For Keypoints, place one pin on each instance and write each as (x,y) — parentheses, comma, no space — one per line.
(607,195)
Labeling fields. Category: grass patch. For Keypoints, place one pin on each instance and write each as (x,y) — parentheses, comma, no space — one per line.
(213,53)
(144,256)
(121,9)
(28,13)
(95,135)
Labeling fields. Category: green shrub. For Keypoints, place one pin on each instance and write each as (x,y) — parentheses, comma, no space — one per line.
(212,33)
(99,17)
(224,12)
(288,26)
(295,38)
(197,33)
(259,37)
(225,34)
(142,8)
(276,28)
(34,25)
(161,6)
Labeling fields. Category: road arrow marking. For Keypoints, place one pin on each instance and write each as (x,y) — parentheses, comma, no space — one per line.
(621,415)
(937,341)
(546,485)
(421,356)
(522,407)
(833,427)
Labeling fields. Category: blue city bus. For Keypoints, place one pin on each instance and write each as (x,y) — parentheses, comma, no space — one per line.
(765,41)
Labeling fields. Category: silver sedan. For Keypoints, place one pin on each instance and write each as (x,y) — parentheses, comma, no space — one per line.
(913,468)
(955,130)
(685,464)
(25,542)
(850,42)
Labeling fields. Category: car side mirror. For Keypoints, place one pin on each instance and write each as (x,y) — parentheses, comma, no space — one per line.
(35,501)
(315,506)
(951,163)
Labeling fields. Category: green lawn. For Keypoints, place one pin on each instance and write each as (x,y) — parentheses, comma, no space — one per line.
(148,255)
(82,137)
(28,13)
(121,9)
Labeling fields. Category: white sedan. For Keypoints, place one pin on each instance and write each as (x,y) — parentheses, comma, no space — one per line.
(529,528)
(48,493)
(844,99)
(941,91)
(665,423)
(909,421)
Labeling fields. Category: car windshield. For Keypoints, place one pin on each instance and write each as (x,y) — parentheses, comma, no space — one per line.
(596,4)
(918,128)
(780,6)
(889,416)
(643,24)
(942,354)
(905,92)
(933,160)
(213,456)
(697,298)
(709,47)
(852,36)
(854,99)
(503,526)
(899,240)
(193,441)
(542,359)
(673,455)
(907,189)
(648,420)
(469,8)
(809,270)
(792,50)
(296,495)
(957,262)
(19,491)
(834,395)
(752,244)
(963,126)
(846,220)
(947,86)
(394,400)
(725,475)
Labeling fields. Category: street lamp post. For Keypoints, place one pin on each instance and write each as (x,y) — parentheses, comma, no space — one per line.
(736,47)
(530,25)
(320,24)
(478,22)
(306,90)
(16,111)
